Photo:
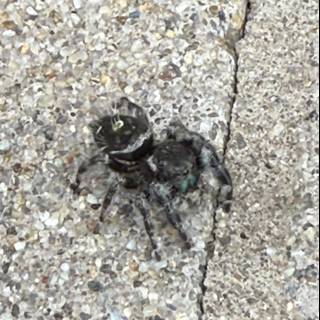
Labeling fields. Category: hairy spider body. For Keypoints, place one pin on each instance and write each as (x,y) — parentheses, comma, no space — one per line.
(176,164)
(160,171)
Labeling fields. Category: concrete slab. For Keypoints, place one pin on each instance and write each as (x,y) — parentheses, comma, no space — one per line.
(266,260)
(62,64)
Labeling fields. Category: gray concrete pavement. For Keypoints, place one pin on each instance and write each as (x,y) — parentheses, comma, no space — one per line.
(63,63)
(266,260)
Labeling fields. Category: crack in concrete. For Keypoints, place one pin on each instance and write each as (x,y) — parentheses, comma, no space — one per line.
(236,80)
(211,245)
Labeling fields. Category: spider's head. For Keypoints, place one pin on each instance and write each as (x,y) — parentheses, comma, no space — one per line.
(176,164)
(125,134)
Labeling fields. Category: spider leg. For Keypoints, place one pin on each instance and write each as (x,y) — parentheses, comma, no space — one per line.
(219,169)
(113,188)
(141,205)
(131,182)
(163,195)
(207,158)
(84,166)
(175,219)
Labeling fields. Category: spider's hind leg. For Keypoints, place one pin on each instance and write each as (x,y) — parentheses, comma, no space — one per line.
(175,219)
(207,158)
(164,195)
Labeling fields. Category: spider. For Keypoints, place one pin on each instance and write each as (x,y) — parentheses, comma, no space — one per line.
(159,171)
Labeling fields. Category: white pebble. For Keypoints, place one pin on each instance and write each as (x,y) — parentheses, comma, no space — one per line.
(100,46)
(114,315)
(149,311)
(86,308)
(143,268)
(136,46)
(188,58)
(20,245)
(143,292)
(86,131)
(51,222)
(5,146)
(123,3)
(9,33)
(182,7)
(153,298)
(161,264)
(98,263)
(128,90)
(122,65)
(6,292)
(91,199)
(31,12)
(200,245)
(131,246)
(3,187)
(290,272)
(183,316)
(290,306)
(65,267)
(127,312)
(271,252)
(77,4)
(75,19)
(105,10)
(310,233)
(43,216)
(65,51)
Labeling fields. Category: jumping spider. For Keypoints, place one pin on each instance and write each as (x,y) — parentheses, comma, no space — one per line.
(158,170)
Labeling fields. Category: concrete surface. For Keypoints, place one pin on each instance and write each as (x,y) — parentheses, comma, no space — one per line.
(266,260)
(63,63)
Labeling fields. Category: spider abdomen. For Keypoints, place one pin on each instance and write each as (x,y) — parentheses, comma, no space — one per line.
(176,164)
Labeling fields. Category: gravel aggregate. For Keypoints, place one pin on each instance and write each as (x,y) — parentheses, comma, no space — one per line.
(63,64)
(266,260)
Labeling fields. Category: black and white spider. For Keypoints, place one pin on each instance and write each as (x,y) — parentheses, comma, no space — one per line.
(160,170)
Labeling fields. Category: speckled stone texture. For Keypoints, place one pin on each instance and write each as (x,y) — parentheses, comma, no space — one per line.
(62,64)
(266,261)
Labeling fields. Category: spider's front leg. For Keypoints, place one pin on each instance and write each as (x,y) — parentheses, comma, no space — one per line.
(84,166)
(141,204)
(175,219)
(207,158)
(144,209)
(113,188)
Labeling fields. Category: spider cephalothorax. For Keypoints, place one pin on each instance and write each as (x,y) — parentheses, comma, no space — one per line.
(158,170)
(125,135)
